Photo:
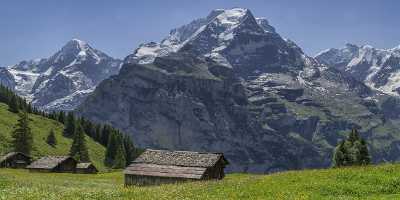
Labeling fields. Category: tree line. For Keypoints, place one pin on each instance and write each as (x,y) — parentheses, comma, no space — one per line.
(120,150)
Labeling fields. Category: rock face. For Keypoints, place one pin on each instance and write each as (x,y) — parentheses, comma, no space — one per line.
(62,81)
(377,68)
(229,83)
(184,102)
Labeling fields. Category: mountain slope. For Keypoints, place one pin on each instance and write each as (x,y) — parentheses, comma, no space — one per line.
(62,81)
(230,83)
(40,129)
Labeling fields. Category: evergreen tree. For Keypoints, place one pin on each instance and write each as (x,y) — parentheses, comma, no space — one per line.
(70,127)
(364,157)
(35,111)
(51,138)
(61,117)
(354,136)
(119,160)
(130,150)
(29,108)
(339,155)
(22,139)
(105,134)
(3,94)
(111,150)
(89,128)
(22,104)
(53,115)
(79,149)
(13,104)
(352,151)
(97,136)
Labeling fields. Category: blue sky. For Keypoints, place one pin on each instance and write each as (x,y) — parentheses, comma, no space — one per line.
(38,28)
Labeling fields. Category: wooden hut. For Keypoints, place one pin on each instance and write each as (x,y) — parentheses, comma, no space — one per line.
(86,168)
(15,160)
(155,167)
(53,164)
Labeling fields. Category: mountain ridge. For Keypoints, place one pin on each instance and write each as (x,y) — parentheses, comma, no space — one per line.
(377,68)
(63,80)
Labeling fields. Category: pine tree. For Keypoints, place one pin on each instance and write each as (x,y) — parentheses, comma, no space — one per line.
(339,155)
(22,104)
(364,158)
(13,104)
(29,108)
(22,139)
(70,127)
(61,117)
(130,150)
(352,151)
(51,138)
(111,150)
(119,160)
(79,148)
(89,128)
(105,134)
(97,136)
(354,136)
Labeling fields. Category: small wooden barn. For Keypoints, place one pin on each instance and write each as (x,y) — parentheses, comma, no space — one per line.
(15,160)
(86,168)
(53,164)
(155,167)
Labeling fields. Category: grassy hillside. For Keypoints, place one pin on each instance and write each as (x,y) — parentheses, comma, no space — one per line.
(40,128)
(374,182)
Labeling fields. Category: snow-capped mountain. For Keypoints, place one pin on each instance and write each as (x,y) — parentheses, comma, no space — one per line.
(377,68)
(230,83)
(62,81)
(210,35)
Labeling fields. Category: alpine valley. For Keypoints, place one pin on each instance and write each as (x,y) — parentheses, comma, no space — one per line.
(228,83)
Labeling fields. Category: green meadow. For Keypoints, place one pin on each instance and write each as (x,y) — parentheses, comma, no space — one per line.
(41,127)
(372,182)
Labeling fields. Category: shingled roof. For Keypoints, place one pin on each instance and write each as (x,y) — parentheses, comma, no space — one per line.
(11,154)
(48,162)
(179,158)
(177,164)
(8,155)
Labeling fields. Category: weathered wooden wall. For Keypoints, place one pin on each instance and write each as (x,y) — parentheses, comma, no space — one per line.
(151,180)
(68,165)
(216,172)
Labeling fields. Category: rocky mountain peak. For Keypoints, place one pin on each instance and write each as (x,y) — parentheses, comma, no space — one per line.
(208,36)
(75,46)
(63,80)
(78,50)
(353,48)
(233,16)
(350,45)
(336,57)
(377,68)
(77,43)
